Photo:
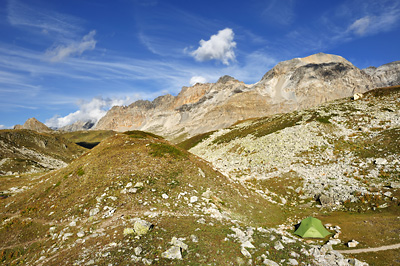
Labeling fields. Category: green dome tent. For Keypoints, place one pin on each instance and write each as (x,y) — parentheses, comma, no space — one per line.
(311,227)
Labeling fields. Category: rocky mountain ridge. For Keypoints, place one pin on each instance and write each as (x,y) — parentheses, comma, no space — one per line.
(385,75)
(34,124)
(291,85)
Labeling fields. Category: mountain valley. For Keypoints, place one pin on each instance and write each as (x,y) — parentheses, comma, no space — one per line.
(221,174)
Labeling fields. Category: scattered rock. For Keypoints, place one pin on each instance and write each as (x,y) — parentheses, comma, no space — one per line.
(334,242)
(178,242)
(380,161)
(294,254)
(352,244)
(193,199)
(66,236)
(358,96)
(164,196)
(278,245)
(94,211)
(147,261)
(128,231)
(72,224)
(194,238)
(269,262)
(247,244)
(326,200)
(387,194)
(139,185)
(245,252)
(142,227)
(138,251)
(80,234)
(207,194)
(395,185)
(172,253)
(135,259)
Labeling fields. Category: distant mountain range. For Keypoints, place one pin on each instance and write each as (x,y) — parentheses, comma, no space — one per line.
(290,85)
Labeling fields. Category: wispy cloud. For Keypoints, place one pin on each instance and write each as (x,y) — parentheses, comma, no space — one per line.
(61,52)
(219,47)
(42,20)
(279,12)
(370,24)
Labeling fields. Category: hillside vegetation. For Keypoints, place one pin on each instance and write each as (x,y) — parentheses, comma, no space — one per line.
(233,199)
(28,151)
(87,212)
(341,158)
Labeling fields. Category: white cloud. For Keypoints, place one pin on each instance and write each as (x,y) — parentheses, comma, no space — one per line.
(76,48)
(360,26)
(218,47)
(2,126)
(93,111)
(197,79)
(370,24)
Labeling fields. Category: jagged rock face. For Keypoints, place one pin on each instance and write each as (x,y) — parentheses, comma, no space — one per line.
(294,84)
(385,75)
(196,109)
(34,124)
(78,126)
(313,80)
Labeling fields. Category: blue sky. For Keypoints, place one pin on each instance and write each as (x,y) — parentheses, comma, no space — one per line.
(65,60)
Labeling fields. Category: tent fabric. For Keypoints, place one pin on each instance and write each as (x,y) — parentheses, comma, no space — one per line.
(311,227)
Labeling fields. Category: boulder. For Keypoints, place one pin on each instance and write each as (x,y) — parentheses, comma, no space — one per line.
(352,244)
(179,243)
(142,227)
(269,262)
(380,161)
(278,245)
(357,96)
(245,252)
(172,253)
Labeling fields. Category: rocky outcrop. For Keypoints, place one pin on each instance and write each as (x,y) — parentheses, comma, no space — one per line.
(34,124)
(309,81)
(78,126)
(385,75)
(291,85)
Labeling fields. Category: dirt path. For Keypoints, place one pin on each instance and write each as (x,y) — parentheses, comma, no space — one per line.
(362,250)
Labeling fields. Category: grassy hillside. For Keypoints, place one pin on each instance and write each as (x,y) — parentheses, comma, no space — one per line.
(79,214)
(87,139)
(29,151)
(340,160)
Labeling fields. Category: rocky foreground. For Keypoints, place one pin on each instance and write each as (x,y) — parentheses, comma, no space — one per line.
(135,199)
(341,152)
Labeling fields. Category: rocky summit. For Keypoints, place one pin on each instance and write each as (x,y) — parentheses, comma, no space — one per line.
(291,85)
(34,124)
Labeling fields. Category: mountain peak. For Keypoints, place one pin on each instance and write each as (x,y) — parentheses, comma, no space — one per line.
(34,124)
(225,79)
(321,58)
